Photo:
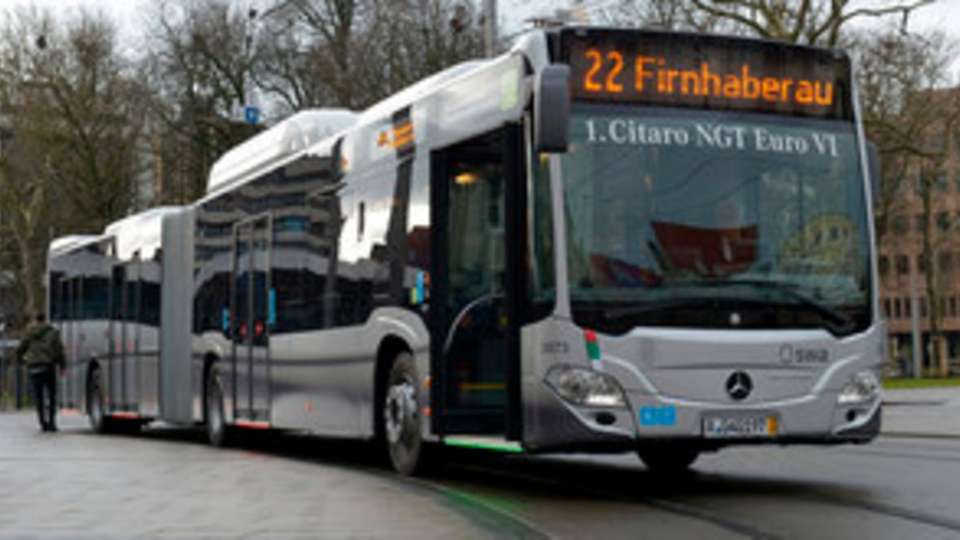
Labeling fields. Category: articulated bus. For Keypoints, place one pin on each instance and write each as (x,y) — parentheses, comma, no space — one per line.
(602,240)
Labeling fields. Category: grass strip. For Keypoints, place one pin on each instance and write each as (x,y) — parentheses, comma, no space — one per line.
(926,382)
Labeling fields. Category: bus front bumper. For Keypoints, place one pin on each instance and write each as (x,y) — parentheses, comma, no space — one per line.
(813,419)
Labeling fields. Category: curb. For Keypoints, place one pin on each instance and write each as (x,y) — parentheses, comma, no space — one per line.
(916,403)
(914,435)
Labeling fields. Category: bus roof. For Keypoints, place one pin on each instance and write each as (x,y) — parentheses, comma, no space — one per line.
(140,232)
(64,244)
(286,142)
(281,141)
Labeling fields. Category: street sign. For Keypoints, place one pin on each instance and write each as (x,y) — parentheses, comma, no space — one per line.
(251,115)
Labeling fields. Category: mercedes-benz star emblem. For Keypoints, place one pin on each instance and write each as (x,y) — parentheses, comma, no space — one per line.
(739,385)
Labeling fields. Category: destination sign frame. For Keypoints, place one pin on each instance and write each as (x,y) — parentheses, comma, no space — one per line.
(707,72)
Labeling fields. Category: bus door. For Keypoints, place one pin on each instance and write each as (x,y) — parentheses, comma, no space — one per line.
(131,336)
(122,298)
(475,342)
(251,314)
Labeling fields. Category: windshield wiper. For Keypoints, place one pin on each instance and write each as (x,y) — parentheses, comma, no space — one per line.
(834,320)
(619,312)
(841,321)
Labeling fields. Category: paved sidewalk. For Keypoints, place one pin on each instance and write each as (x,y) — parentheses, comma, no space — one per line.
(926,412)
(169,484)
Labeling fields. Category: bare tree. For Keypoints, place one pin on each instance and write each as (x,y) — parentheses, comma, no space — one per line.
(72,105)
(97,101)
(912,112)
(662,14)
(814,22)
(202,73)
(352,53)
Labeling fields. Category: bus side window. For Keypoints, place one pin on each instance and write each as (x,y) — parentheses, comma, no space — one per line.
(320,267)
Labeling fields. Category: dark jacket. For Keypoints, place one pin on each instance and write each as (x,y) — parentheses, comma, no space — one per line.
(42,345)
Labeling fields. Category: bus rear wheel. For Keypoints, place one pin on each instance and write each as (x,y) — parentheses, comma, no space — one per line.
(95,406)
(217,429)
(401,417)
(668,459)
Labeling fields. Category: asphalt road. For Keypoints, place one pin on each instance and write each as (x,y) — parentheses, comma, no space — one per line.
(166,483)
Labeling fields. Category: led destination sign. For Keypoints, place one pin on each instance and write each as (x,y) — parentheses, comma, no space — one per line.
(707,72)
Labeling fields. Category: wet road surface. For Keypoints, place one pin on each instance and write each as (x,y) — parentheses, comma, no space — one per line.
(166,483)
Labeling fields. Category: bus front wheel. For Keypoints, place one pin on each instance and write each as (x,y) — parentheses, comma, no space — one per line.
(401,417)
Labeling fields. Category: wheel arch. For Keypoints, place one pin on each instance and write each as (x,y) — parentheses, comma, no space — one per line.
(390,346)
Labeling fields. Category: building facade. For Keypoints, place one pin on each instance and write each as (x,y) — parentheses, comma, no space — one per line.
(919,252)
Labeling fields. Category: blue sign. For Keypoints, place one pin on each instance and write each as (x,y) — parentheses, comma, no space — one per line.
(272,307)
(665,415)
(251,114)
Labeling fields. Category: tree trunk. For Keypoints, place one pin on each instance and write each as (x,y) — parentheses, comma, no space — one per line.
(28,274)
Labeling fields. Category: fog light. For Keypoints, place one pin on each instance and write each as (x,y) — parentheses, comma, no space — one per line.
(862,387)
(582,386)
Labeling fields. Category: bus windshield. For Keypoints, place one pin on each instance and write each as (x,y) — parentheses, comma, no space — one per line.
(714,219)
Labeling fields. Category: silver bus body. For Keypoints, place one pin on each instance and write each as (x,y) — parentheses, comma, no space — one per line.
(285,370)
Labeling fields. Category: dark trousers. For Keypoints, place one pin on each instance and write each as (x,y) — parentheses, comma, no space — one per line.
(43,379)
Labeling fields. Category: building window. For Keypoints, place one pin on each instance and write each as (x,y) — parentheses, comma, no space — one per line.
(923,307)
(900,224)
(953,306)
(921,264)
(903,265)
(907,309)
(940,182)
(943,221)
(886,308)
(921,223)
(884,266)
(946,262)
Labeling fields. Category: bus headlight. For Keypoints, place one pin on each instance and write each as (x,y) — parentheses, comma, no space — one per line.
(582,386)
(862,387)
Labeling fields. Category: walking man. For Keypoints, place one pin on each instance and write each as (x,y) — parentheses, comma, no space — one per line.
(42,352)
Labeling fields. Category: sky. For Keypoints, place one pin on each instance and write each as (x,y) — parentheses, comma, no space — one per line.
(129,12)
(944,15)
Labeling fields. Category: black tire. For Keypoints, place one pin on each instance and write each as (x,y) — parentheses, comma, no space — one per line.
(218,433)
(402,438)
(668,459)
(125,427)
(96,410)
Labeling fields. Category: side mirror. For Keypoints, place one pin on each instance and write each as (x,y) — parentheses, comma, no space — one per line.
(551,109)
(874,171)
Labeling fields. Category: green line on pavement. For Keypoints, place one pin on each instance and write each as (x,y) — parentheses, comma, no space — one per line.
(481,444)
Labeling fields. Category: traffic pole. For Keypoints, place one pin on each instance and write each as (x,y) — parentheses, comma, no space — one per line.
(489,28)
(915,328)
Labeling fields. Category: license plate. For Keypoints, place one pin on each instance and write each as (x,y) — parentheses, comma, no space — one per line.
(740,426)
